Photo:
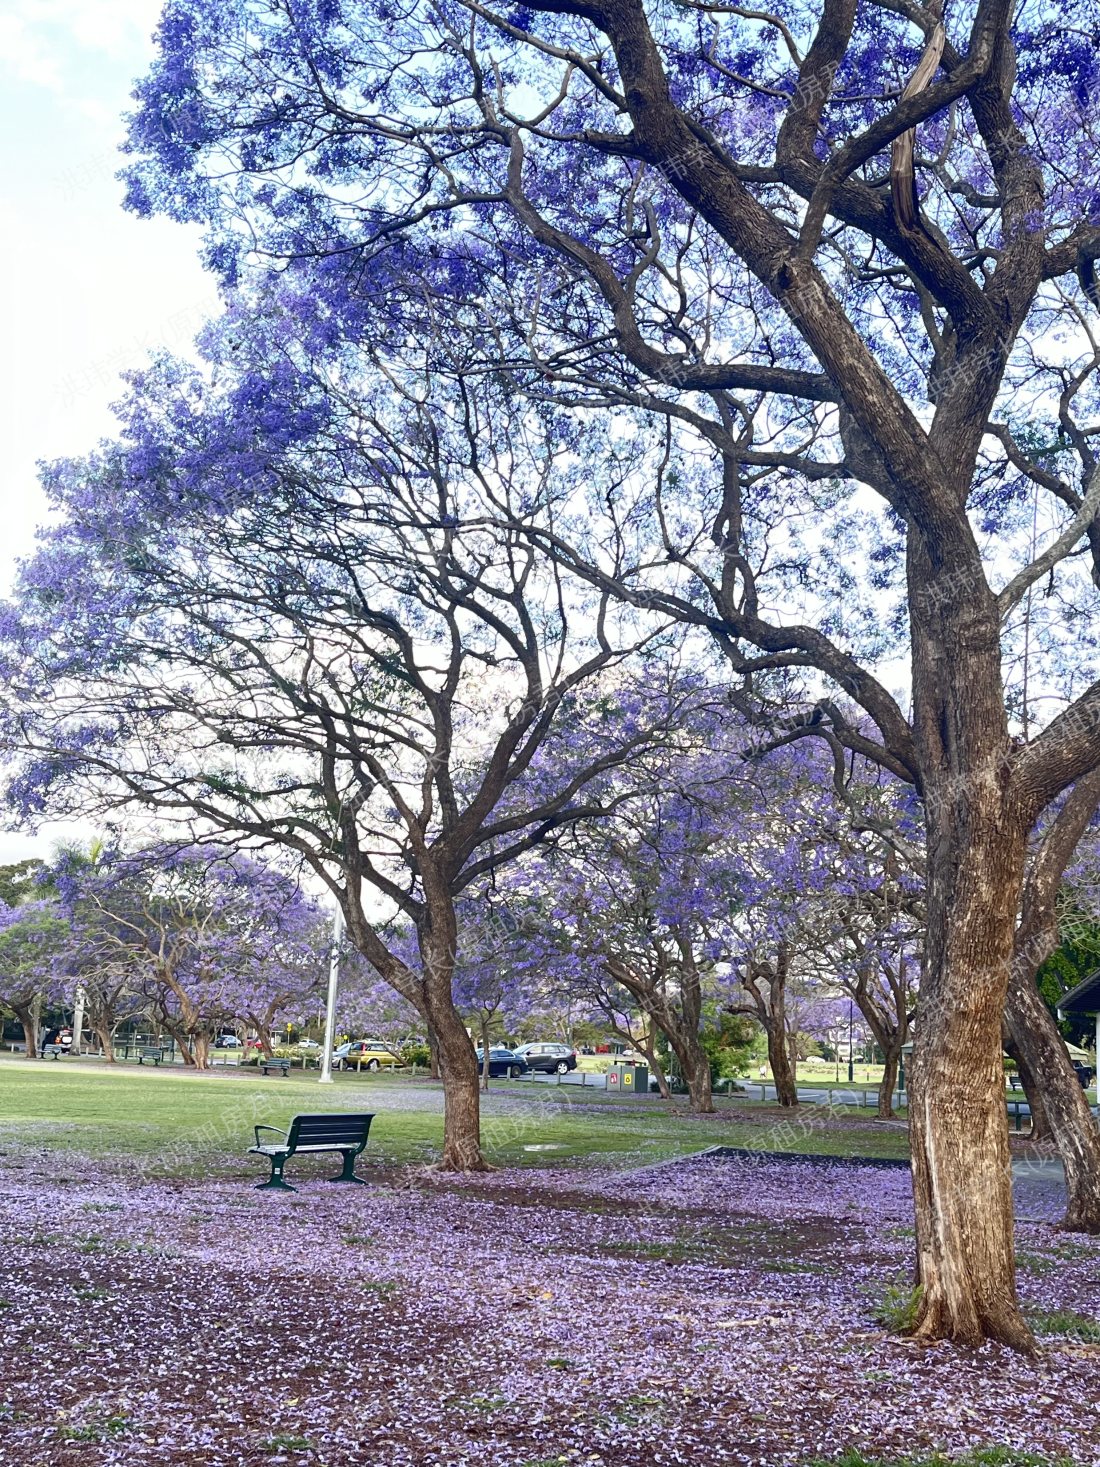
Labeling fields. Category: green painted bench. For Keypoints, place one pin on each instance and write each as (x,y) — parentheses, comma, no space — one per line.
(53,1051)
(150,1052)
(346,1133)
(275,1066)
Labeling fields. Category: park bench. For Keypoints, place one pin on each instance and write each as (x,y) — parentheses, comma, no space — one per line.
(275,1066)
(150,1052)
(346,1133)
(53,1051)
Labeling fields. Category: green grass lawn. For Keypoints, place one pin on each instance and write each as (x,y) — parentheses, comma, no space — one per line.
(180,1123)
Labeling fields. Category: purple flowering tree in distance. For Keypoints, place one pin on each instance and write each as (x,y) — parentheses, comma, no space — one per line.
(802,866)
(640,908)
(843,258)
(868,928)
(367,1006)
(499,970)
(105,976)
(286,605)
(202,935)
(34,938)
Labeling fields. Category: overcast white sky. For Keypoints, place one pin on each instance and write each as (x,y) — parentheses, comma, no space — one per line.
(88,289)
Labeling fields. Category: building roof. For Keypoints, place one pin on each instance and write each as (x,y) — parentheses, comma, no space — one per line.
(1084,999)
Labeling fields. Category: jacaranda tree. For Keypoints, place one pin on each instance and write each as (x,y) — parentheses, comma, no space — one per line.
(33,940)
(198,936)
(286,604)
(840,260)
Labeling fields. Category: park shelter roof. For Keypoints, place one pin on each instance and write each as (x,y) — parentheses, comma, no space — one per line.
(1084,999)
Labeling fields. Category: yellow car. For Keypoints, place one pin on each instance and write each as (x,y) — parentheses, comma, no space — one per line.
(366,1054)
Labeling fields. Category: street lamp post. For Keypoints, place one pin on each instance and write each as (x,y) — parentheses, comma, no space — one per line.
(330,1000)
(851,1065)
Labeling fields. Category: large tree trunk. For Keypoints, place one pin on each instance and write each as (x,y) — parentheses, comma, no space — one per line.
(976,850)
(27,1016)
(183,1043)
(461,1096)
(687,1046)
(887,1085)
(1042,1053)
(696,1067)
(685,1037)
(1040,1121)
(958,1133)
(1071,1123)
(786,1086)
(458,1067)
(102,1031)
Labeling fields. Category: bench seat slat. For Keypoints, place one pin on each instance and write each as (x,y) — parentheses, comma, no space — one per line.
(288,1150)
(326,1133)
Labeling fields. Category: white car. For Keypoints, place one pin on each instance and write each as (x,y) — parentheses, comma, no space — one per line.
(308,1044)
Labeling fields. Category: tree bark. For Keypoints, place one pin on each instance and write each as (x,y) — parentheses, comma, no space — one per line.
(102,1032)
(1071,1123)
(461,1094)
(677,1014)
(1033,1033)
(201,1050)
(688,1048)
(663,1088)
(647,1046)
(697,1077)
(887,1086)
(786,1087)
(958,1133)
(1040,1121)
(433,1055)
(26,1016)
(770,1011)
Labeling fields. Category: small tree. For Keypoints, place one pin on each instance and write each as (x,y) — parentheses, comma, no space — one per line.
(33,942)
(196,934)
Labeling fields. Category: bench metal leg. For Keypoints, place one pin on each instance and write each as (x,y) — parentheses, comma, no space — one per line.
(275,1182)
(348,1173)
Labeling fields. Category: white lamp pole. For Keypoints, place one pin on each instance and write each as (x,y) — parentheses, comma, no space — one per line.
(330,1001)
(78,1019)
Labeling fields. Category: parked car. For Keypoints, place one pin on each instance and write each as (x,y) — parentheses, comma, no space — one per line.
(308,1044)
(548,1057)
(366,1054)
(227,1041)
(504,1062)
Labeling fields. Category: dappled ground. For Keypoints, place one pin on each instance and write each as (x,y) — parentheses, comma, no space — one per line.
(705,1313)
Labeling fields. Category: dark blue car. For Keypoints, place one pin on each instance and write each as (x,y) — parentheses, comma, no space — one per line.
(503,1062)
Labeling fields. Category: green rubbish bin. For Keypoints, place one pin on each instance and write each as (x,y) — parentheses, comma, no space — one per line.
(624,1078)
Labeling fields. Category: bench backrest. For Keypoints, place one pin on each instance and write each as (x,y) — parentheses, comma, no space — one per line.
(348,1129)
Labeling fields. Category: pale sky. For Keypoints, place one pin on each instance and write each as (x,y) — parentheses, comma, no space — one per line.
(88,289)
